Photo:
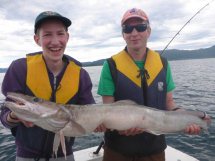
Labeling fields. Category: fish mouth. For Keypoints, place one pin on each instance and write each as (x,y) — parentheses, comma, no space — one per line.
(15,98)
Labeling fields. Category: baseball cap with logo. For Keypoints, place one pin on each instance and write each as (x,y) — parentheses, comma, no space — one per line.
(134,12)
(50,15)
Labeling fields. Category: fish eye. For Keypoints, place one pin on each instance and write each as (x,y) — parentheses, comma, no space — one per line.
(36,99)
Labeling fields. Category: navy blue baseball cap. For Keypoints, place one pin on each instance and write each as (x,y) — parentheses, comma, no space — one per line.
(50,15)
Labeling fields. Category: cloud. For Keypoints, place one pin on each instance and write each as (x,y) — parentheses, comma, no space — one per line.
(96,33)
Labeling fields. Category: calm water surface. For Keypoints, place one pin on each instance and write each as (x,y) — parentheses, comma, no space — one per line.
(195,89)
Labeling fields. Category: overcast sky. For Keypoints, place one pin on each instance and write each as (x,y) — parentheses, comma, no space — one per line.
(95,32)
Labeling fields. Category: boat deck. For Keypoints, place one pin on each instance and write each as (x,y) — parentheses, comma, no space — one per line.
(172,154)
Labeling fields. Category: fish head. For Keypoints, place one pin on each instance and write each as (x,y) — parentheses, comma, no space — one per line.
(28,106)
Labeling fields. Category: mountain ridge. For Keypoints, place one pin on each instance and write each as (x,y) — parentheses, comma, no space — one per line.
(170,54)
(173,54)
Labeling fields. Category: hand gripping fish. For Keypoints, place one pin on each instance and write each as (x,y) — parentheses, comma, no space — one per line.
(78,120)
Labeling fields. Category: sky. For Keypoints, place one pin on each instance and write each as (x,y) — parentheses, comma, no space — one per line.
(95,32)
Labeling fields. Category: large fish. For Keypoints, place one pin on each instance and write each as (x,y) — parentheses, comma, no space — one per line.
(77,120)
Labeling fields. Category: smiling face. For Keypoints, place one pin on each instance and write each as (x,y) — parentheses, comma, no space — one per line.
(52,37)
(136,40)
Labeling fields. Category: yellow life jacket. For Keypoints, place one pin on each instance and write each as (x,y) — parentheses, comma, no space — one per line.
(126,65)
(38,80)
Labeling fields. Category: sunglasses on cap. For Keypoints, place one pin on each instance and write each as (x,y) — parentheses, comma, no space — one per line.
(128,28)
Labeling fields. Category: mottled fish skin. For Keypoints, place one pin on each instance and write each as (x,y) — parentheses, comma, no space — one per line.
(78,120)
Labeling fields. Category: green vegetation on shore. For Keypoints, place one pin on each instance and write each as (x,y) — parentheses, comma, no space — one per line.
(171,54)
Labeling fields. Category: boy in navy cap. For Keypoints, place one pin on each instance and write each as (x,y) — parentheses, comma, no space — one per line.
(48,74)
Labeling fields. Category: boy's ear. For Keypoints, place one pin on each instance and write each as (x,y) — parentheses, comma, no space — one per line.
(37,39)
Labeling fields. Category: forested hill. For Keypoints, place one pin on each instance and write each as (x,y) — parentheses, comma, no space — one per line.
(189,54)
(172,54)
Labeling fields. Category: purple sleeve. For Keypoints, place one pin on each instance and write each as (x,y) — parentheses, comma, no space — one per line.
(85,89)
(14,81)
(15,77)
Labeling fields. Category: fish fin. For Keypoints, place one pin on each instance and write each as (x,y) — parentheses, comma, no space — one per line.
(62,141)
(56,143)
(153,132)
(78,127)
(161,133)
(123,102)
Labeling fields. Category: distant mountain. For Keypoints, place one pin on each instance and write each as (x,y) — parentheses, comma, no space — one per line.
(94,63)
(172,54)
(189,54)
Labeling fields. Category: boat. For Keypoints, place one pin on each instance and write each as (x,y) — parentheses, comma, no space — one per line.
(172,154)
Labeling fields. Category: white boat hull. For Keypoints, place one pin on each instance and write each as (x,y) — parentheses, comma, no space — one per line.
(172,154)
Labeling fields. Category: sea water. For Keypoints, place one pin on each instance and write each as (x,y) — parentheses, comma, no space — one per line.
(195,89)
